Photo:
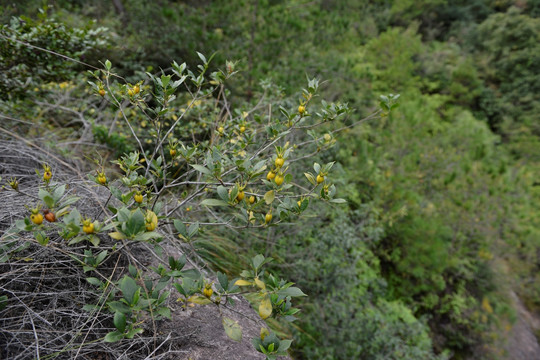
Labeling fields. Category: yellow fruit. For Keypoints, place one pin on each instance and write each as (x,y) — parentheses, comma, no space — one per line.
(327,137)
(208,291)
(240,196)
(36,218)
(102,179)
(279,161)
(136,89)
(251,199)
(320,179)
(301,109)
(242,129)
(88,227)
(299,202)
(151,220)
(270,175)
(172,152)
(101,92)
(130,92)
(138,197)
(268,218)
(150,226)
(47,175)
(279,179)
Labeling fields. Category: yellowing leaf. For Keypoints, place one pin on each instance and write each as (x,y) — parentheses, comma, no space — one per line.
(117,235)
(265,308)
(260,283)
(269,197)
(243,283)
(264,333)
(232,329)
(197,299)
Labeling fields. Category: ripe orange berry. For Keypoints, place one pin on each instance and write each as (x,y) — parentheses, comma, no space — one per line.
(101,92)
(49,216)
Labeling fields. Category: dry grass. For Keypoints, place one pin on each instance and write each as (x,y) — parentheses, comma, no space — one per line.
(46,289)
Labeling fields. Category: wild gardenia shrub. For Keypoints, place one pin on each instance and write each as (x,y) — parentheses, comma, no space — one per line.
(227,167)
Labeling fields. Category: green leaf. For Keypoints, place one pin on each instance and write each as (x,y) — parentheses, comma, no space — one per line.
(223,280)
(70,200)
(257,261)
(59,192)
(46,198)
(202,169)
(108,65)
(291,291)
(193,229)
(120,321)
(214,202)
(202,57)
(131,333)
(128,287)
(223,193)
(338,201)
(147,236)
(101,256)
(3,301)
(180,227)
(135,223)
(165,312)
(232,328)
(114,336)
(94,281)
(269,197)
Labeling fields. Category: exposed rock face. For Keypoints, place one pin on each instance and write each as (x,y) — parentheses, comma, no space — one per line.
(205,337)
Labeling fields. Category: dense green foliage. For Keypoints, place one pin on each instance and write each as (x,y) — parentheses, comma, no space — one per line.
(442,192)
